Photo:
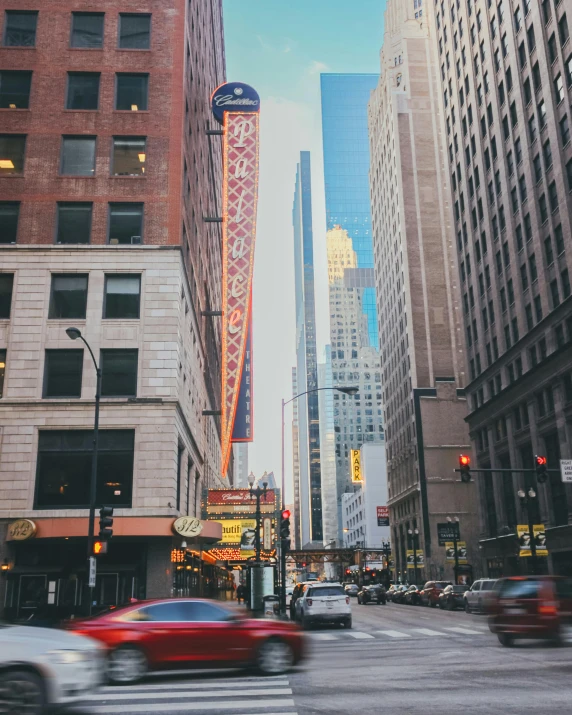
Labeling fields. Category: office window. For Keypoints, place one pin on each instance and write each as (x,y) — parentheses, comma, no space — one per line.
(15,89)
(64,468)
(537,164)
(119,373)
(559,239)
(62,373)
(565,278)
(2,370)
(559,88)
(9,212)
(565,129)
(12,151)
(78,156)
(538,308)
(83,90)
(126,223)
(6,285)
(68,297)
(129,155)
(563,30)
(134,31)
(74,222)
(553,196)
(548,251)
(87,30)
(122,296)
(554,293)
(131,92)
(20,28)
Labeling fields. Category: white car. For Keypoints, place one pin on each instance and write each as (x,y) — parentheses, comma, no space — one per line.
(324,603)
(478,596)
(45,667)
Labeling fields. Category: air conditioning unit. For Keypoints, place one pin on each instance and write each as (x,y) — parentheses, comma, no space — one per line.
(136,239)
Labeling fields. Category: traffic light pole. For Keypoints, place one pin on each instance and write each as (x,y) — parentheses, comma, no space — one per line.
(93,481)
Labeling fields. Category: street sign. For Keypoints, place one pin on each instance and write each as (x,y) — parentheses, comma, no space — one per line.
(382,515)
(566,470)
(267,534)
(448,531)
(92,572)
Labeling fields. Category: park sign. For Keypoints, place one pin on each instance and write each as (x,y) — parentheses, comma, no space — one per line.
(236,106)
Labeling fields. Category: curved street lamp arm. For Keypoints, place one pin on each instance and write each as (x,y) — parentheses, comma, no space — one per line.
(90,352)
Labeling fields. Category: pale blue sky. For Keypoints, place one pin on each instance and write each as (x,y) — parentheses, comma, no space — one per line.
(280,47)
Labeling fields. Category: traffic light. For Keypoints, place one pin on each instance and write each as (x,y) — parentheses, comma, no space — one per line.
(105,530)
(285,528)
(465,467)
(541,471)
(99,547)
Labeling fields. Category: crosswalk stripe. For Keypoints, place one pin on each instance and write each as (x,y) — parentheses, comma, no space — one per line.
(203,685)
(201,706)
(465,631)
(212,694)
(324,637)
(428,632)
(394,634)
(358,635)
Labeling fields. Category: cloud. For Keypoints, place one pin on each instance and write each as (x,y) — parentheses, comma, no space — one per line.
(315,67)
(263,43)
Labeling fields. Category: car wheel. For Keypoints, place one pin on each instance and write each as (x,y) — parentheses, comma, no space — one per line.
(274,657)
(505,639)
(22,693)
(126,664)
(450,606)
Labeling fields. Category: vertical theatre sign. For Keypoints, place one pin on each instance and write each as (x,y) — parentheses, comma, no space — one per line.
(236,106)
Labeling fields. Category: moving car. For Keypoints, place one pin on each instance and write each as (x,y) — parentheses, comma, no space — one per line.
(431,591)
(452,597)
(324,603)
(43,667)
(372,594)
(532,607)
(188,632)
(351,589)
(412,596)
(478,597)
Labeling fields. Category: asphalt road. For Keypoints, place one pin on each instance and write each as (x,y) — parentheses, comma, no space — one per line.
(396,659)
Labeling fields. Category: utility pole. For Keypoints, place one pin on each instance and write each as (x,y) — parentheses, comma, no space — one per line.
(256,585)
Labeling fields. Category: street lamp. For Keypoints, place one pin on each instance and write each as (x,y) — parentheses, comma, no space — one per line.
(74,334)
(414,534)
(455,541)
(258,494)
(528,501)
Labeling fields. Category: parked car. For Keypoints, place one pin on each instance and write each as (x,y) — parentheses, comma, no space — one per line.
(391,591)
(399,594)
(412,596)
(478,597)
(351,589)
(296,593)
(183,633)
(324,603)
(452,597)
(44,667)
(430,593)
(372,594)
(532,607)
(289,592)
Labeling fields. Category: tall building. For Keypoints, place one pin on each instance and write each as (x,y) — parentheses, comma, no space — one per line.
(306,358)
(328,451)
(296,532)
(418,298)
(106,174)
(353,311)
(240,475)
(505,88)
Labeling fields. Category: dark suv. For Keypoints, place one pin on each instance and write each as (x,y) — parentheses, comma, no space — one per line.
(531,607)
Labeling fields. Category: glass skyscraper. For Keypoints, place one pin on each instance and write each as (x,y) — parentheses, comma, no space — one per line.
(346,171)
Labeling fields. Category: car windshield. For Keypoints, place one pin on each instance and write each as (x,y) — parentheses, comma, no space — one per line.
(517,588)
(488,585)
(326,591)
(459,589)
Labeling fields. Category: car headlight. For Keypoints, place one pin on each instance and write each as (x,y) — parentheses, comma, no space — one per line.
(68,657)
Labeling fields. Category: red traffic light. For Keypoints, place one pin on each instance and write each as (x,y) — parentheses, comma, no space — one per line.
(286,514)
(99,547)
(464,460)
(541,461)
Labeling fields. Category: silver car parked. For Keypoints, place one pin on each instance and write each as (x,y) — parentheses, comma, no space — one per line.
(479,595)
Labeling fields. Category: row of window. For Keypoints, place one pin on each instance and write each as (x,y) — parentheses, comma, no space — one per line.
(82,92)
(74,219)
(68,296)
(86,30)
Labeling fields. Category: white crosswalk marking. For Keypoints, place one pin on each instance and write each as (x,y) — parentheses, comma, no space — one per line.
(428,632)
(394,634)
(359,635)
(465,631)
(194,707)
(324,637)
(212,694)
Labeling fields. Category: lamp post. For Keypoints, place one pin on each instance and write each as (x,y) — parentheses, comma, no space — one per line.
(258,494)
(455,542)
(527,499)
(414,534)
(74,334)
(386,551)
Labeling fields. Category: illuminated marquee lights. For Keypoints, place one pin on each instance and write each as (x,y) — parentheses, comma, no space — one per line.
(239,105)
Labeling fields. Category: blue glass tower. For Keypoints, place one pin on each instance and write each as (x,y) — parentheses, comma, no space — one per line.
(346,170)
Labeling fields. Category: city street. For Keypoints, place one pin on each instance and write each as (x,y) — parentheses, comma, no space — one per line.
(395,659)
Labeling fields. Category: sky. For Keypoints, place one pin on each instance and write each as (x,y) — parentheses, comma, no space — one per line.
(280,47)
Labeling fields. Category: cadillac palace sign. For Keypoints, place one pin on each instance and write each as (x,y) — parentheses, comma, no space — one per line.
(236,106)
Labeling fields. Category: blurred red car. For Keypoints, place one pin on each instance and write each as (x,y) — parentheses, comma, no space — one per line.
(531,607)
(187,633)
(431,592)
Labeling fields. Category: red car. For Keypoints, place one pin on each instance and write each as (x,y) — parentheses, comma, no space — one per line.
(431,592)
(186,633)
(531,607)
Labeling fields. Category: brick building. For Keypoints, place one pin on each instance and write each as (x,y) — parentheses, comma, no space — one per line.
(107,175)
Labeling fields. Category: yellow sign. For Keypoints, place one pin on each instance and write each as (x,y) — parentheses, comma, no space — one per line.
(413,556)
(238,531)
(355,465)
(188,526)
(461,551)
(21,530)
(523,534)
(539,535)
(539,532)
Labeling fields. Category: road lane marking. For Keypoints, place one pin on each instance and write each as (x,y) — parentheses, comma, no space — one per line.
(427,632)
(394,634)
(203,685)
(212,694)
(202,706)
(359,635)
(465,631)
